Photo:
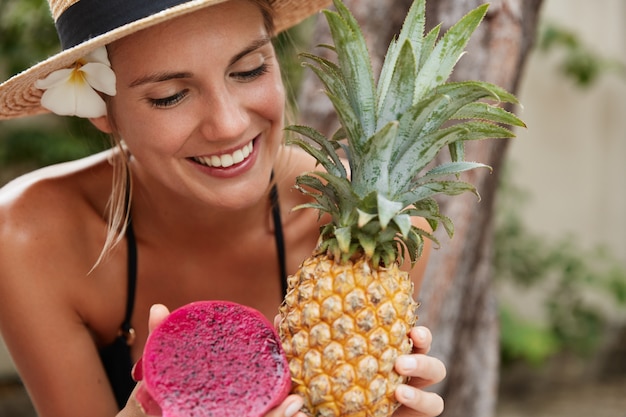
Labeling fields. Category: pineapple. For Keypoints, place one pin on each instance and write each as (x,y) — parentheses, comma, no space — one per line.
(350,307)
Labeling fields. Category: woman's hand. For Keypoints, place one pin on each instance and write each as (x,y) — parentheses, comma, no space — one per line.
(290,407)
(424,371)
(158,313)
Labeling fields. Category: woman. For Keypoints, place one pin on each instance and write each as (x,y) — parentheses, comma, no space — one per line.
(194,91)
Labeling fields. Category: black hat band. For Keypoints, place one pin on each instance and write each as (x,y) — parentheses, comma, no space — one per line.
(87,19)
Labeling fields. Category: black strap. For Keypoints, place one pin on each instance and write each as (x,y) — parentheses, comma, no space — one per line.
(279,237)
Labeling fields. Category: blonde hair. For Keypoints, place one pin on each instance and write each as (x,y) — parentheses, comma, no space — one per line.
(118,206)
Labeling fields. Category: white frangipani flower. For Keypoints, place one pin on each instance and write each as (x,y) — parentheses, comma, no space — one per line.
(72,91)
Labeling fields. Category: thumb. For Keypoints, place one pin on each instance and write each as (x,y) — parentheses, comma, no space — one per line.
(158,313)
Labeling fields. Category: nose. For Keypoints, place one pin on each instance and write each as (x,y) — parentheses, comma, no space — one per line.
(223,117)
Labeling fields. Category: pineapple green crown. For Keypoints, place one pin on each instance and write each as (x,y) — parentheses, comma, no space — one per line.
(391,130)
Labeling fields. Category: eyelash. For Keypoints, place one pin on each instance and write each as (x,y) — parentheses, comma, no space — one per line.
(168,101)
(176,98)
(254,74)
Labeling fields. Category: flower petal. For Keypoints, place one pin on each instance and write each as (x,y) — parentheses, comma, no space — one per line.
(59,99)
(72,91)
(54,78)
(88,102)
(100,77)
(99,55)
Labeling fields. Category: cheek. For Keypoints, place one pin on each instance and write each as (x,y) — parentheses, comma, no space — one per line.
(270,99)
(143,131)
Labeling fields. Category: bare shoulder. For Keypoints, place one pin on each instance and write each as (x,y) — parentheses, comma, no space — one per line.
(51,231)
(49,210)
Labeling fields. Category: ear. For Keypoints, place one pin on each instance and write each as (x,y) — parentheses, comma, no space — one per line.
(102,123)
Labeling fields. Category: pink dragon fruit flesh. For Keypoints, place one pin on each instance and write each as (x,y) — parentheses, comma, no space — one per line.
(213,358)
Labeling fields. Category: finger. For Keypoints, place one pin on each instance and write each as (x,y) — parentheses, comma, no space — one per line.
(147,404)
(422,339)
(424,403)
(158,312)
(424,370)
(289,408)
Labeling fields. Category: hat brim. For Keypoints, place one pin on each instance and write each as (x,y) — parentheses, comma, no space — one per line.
(20,98)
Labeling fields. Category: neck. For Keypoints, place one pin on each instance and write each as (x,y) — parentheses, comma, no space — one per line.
(164,214)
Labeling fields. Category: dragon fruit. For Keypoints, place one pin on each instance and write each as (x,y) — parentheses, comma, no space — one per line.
(213,358)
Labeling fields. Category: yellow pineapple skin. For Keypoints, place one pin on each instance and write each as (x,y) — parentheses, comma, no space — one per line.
(342,327)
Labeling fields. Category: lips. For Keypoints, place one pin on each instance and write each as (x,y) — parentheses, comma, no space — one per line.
(226,160)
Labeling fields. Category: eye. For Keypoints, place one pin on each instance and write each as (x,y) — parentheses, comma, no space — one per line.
(253,74)
(168,101)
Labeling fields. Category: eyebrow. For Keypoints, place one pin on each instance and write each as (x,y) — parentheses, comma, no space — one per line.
(159,77)
(166,76)
(256,44)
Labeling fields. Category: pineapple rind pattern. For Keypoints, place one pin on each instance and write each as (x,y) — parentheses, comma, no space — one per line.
(343,333)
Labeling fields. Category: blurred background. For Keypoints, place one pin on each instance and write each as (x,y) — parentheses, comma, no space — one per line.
(561,251)
(561,228)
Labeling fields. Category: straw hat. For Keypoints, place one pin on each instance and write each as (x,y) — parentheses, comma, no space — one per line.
(84,25)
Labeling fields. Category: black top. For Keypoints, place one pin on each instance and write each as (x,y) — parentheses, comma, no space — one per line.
(116,357)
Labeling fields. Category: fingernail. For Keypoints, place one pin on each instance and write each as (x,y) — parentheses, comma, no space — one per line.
(406,392)
(406,363)
(137,371)
(293,408)
(421,334)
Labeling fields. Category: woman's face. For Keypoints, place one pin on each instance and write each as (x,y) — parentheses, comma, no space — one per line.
(200,103)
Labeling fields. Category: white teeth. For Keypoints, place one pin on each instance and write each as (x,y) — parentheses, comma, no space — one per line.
(226,160)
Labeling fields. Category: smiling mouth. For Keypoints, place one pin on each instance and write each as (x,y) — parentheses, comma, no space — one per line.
(226,160)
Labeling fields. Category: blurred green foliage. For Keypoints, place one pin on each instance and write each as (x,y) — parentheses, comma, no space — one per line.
(27,34)
(578,286)
(579,62)
(577,283)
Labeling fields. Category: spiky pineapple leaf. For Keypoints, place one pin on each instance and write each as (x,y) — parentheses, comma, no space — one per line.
(457,151)
(344,238)
(487,112)
(418,156)
(447,52)
(414,245)
(345,198)
(365,217)
(368,243)
(450,168)
(355,64)
(336,91)
(391,131)
(371,171)
(393,100)
(324,196)
(429,210)
(387,210)
(491,90)
(428,45)
(325,154)
(433,188)
(436,109)
(403,221)
(410,36)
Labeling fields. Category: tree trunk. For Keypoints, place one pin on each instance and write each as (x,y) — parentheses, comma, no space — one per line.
(457,297)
